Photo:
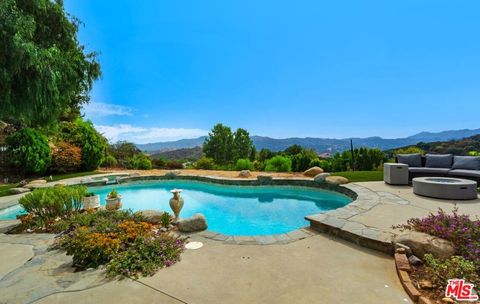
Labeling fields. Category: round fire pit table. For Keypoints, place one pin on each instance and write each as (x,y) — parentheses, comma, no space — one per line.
(446,188)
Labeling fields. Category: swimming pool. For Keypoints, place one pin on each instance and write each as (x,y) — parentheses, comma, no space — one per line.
(232,210)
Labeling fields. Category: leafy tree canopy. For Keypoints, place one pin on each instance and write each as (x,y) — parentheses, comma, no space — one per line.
(218,145)
(123,151)
(242,144)
(45,73)
(225,147)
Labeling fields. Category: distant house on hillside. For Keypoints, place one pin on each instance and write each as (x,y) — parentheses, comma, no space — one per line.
(325,155)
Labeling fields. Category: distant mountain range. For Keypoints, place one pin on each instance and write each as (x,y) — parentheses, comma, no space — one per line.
(321,145)
(457,147)
(182,153)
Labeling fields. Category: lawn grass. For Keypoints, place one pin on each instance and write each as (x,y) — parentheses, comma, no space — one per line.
(71,175)
(361,176)
(5,189)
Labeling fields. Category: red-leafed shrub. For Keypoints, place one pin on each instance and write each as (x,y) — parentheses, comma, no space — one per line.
(66,158)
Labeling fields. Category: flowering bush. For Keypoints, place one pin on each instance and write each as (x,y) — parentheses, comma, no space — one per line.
(66,158)
(146,255)
(463,232)
(119,240)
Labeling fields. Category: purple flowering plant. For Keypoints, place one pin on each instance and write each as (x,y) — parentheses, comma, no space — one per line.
(460,229)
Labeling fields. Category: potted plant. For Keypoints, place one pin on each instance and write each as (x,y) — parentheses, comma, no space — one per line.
(113,200)
(91,201)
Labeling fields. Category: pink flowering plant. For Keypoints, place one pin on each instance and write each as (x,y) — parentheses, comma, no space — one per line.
(460,229)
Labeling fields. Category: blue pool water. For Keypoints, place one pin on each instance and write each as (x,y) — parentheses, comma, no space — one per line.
(232,210)
(10,213)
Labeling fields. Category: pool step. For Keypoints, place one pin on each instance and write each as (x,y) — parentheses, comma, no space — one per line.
(353,232)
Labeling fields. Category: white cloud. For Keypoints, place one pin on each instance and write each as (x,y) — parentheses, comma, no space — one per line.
(98,109)
(141,135)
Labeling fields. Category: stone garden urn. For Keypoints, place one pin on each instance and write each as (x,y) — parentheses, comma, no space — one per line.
(113,201)
(176,202)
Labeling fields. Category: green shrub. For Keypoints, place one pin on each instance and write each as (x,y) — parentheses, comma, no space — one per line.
(409,150)
(365,160)
(278,164)
(322,163)
(316,163)
(165,219)
(265,154)
(301,162)
(159,163)
(258,165)
(174,164)
(83,134)
(142,162)
(455,267)
(66,158)
(244,164)
(30,151)
(110,161)
(45,205)
(205,163)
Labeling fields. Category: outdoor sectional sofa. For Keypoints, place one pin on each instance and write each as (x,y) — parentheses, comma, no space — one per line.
(441,165)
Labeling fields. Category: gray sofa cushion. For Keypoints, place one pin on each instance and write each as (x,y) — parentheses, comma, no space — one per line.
(466,162)
(426,170)
(412,160)
(462,172)
(439,160)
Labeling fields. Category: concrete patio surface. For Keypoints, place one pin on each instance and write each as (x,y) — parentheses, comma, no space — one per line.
(389,213)
(318,269)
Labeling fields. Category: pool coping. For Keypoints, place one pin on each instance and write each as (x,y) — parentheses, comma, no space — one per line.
(261,180)
(339,222)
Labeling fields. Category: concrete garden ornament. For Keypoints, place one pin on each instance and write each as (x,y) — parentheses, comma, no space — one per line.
(113,200)
(176,202)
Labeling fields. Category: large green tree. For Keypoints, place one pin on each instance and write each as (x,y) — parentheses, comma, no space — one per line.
(242,144)
(123,151)
(225,147)
(45,73)
(219,144)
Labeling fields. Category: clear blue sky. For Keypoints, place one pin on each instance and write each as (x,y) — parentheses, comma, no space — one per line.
(172,69)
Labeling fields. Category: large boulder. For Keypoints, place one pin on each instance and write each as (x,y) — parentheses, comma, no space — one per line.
(336,180)
(422,243)
(151,216)
(245,173)
(320,178)
(19,190)
(313,171)
(38,181)
(191,224)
